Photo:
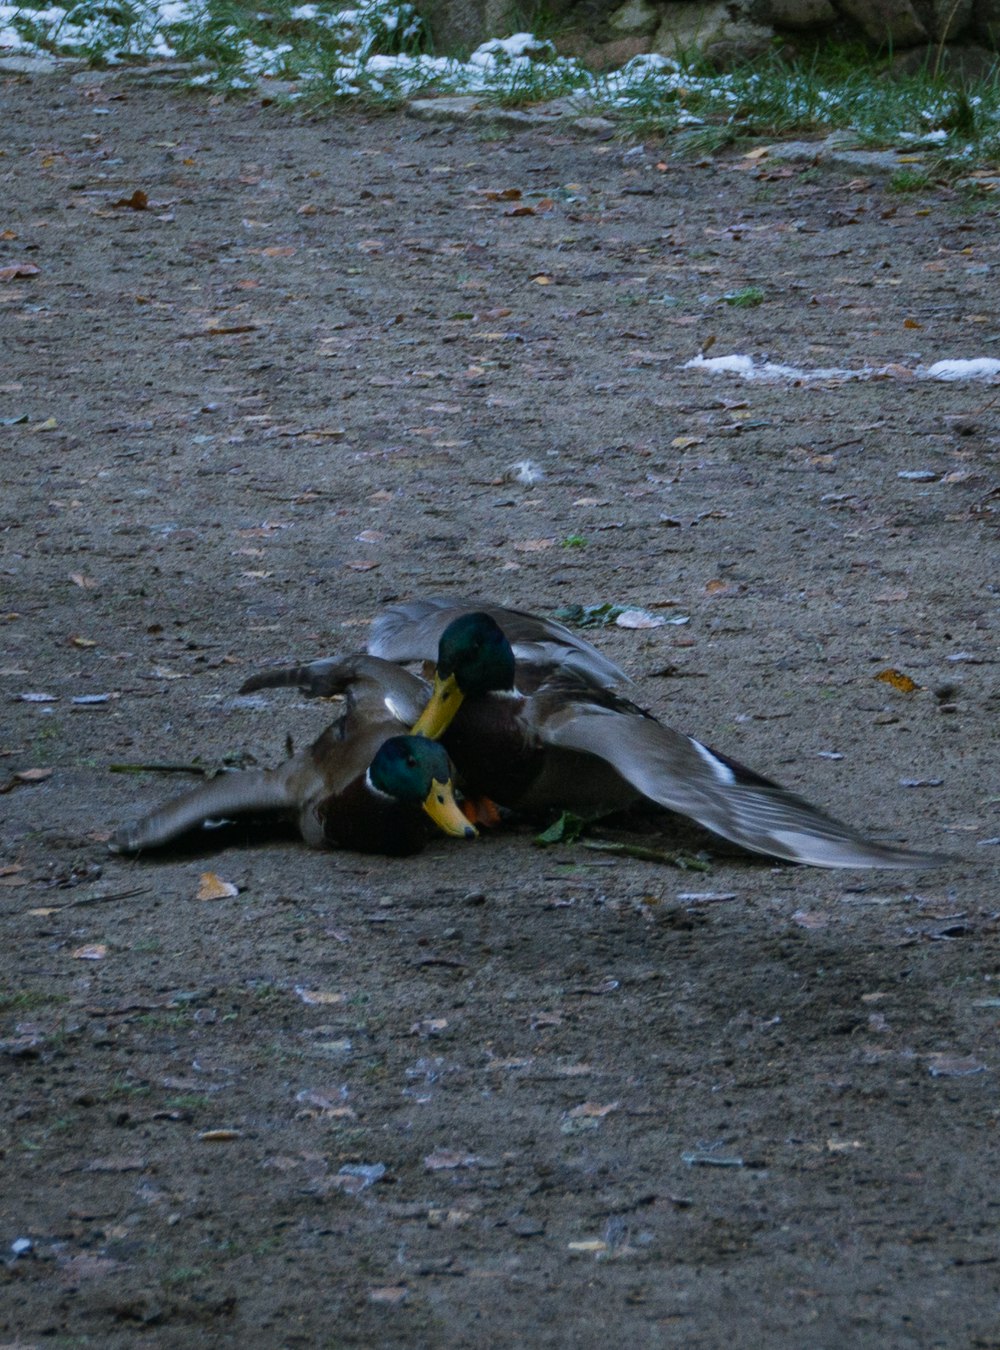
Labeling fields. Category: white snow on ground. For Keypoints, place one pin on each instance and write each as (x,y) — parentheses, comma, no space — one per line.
(980,368)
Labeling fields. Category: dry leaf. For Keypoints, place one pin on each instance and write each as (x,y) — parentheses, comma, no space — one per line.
(85,583)
(362,566)
(19,270)
(137,202)
(540,279)
(897,679)
(592,1110)
(219,1136)
(639,618)
(533,545)
(943,1065)
(388,1293)
(447,1158)
(212,887)
(94,951)
(319,996)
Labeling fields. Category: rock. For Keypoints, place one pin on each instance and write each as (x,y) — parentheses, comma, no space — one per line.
(469,109)
(710,29)
(684,27)
(461,25)
(892,23)
(796,15)
(594,126)
(958,64)
(602,56)
(636,18)
(41,64)
(986,23)
(949,18)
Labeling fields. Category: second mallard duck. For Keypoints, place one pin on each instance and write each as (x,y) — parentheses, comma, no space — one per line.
(360,785)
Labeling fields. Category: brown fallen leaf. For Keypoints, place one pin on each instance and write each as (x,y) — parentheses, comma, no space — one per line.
(33,775)
(18,270)
(943,1065)
(447,1158)
(219,1136)
(533,545)
(897,679)
(592,1110)
(388,1293)
(212,887)
(137,202)
(319,996)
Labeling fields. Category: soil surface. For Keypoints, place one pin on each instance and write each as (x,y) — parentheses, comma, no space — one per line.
(492,1095)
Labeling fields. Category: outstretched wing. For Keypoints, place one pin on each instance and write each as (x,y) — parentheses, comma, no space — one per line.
(410,631)
(245,792)
(683,775)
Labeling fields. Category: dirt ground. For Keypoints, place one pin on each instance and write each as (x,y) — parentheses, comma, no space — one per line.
(492,1095)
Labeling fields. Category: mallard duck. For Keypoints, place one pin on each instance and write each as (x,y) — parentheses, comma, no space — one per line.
(412,629)
(553,737)
(360,785)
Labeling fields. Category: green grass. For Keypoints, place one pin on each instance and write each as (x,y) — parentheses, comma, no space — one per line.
(747,298)
(909,180)
(379,58)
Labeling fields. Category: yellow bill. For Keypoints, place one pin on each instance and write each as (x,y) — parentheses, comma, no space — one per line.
(441,806)
(442,706)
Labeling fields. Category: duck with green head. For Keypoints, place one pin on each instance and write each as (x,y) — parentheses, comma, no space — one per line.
(547,736)
(361,785)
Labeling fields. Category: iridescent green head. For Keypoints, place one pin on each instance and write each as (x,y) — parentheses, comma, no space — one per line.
(474,657)
(415,771)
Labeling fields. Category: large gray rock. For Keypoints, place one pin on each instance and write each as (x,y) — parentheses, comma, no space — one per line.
(708,27)
(796,15)
(888,22)
(459,26)
(986,23)
(637,18)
